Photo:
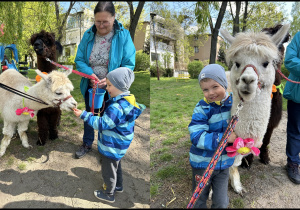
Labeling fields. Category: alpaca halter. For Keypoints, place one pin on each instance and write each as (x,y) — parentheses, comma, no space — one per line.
(259,84)
(60,101)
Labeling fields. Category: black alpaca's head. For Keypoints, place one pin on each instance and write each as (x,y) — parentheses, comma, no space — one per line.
(44,44)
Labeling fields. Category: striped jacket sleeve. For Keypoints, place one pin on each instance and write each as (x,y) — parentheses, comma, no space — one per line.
(200,134)
(106,122)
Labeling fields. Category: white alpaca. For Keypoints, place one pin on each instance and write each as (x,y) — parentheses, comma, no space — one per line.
(52,89)
(252,56)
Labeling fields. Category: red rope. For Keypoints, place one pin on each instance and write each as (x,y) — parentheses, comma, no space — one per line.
(211,166)
(286,77)
(82,75)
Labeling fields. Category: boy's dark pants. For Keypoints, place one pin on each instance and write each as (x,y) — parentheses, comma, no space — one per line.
(111,173)
(219,182)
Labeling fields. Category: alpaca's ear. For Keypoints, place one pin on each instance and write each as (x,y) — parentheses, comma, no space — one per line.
(280,35)
(227,35)
(44,76)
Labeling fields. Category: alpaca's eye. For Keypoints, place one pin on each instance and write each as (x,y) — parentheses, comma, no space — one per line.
(58,94)
(237,64)
(265,64)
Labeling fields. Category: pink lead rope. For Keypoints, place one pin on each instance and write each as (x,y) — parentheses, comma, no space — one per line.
(80,74)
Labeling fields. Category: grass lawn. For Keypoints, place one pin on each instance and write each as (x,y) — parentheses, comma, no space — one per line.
(172,105)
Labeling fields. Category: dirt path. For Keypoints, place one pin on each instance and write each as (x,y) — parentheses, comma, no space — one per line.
(268,185)
(53,178)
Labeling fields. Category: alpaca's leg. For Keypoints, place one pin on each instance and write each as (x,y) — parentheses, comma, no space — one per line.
(247,161)
(22,128)
(53,122)
(43,127)
(235,176)
(8,132)
(264,152)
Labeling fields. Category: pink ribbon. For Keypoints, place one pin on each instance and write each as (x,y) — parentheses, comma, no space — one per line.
(243,147)
(25,111)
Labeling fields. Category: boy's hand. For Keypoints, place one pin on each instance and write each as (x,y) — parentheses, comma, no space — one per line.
(232,137)
(77,112)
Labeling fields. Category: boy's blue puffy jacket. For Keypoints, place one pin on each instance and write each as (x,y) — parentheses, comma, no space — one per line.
(116,126)
(292,63)
(121,54)
(209,122)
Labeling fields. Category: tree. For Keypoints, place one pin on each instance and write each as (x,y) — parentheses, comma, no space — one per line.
(204,18)
(62,19)
(296,18)
(134,16)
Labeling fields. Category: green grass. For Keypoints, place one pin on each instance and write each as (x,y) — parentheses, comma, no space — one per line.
(172,104)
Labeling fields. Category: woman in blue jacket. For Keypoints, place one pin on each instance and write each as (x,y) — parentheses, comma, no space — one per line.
(104,47)
(292,94)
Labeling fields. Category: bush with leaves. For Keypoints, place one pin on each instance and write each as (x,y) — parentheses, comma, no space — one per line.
(142,61)
(168,72)
(284,70)
(194,69)
(153,70)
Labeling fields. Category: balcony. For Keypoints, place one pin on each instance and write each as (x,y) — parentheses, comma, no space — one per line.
(162,32)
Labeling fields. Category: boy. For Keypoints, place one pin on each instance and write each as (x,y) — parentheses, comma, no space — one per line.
(209,122)
(116,129)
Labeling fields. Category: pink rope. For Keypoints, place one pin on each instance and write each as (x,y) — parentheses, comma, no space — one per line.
(82,75)
(286,77)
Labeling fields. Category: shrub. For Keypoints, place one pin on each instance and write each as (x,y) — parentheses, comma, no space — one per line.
(194,68)
(168,72)
(142,61)
(153,70)
(223,65)
(284,70)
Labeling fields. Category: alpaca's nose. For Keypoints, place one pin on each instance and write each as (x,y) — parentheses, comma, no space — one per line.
(248,81)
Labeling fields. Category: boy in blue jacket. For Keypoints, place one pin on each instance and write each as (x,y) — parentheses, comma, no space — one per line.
(209,122)
(116,129)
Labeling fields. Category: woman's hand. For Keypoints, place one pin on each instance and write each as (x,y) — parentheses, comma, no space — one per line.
(97,79)
(102,83)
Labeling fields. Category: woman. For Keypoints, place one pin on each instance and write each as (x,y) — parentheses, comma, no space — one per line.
(104,47)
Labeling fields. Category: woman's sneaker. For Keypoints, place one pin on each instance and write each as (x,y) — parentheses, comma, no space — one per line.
(293,172)
(117,189)
(104,196)
(82,151)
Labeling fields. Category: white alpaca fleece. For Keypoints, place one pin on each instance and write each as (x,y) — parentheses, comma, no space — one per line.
(52,88)
(252,57)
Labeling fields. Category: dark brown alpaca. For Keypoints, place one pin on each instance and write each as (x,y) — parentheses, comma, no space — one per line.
(48,119)
(276,107)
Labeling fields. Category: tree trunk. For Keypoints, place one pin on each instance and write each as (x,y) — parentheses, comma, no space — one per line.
(134,17)
(214,36)
(245,16)
(236,20)
(61,24)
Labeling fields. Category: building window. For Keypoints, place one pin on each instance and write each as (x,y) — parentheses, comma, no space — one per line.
(67,52)
(196,49)
(154,56)
(196,59)
(195,38)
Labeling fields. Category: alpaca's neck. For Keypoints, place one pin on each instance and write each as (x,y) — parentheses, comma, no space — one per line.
(36,92)
(44,65)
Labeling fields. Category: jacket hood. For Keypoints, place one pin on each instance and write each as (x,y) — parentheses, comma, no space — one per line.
(131,108)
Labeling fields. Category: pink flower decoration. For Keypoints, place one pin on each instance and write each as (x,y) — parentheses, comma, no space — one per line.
(25,111)
(243,147)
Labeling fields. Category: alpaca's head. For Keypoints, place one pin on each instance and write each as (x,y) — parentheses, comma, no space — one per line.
(252,57)
(56,88)
(44,44)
